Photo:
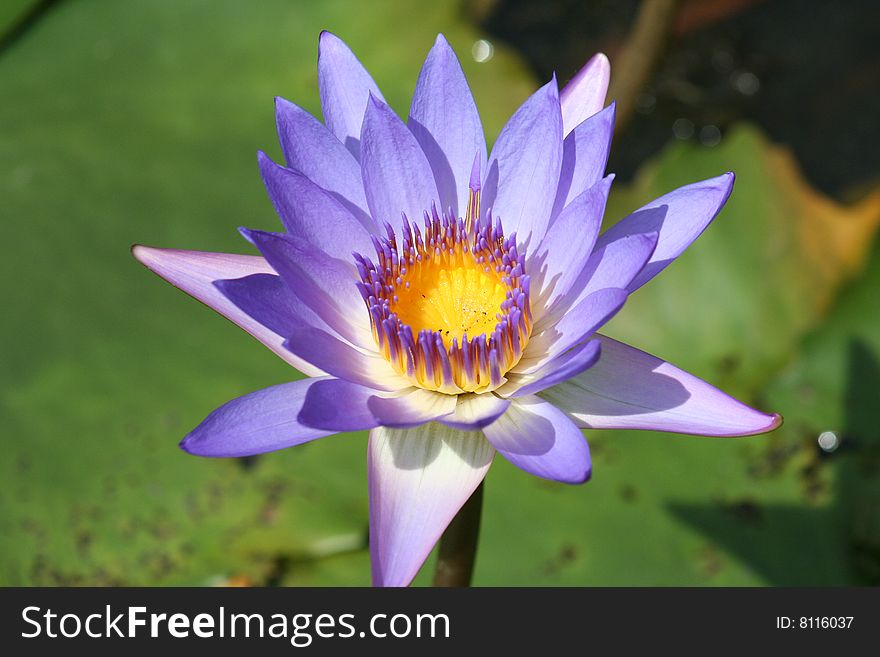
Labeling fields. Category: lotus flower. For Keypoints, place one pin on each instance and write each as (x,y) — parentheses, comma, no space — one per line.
(446,299)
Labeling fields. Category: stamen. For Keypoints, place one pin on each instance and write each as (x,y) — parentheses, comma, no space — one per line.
(454,279)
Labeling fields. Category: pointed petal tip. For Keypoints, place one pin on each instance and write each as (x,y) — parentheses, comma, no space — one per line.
(192,446)
(147,255)
(138,251)
(186,444)
(600,59)
(763,423)
(552,87)
(255,236)
(327,37)
(476,177)
(612,110)
(726,181)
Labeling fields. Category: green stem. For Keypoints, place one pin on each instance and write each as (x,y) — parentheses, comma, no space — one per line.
(458,545)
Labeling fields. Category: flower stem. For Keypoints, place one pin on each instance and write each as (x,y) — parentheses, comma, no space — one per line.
(458,545)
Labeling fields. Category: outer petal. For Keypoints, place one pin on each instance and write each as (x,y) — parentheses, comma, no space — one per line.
(397,175)
(345,87)
(411,408)
(560,369)
(310,148)
(344,361)
(196,272)
(524,167)
(584,95)
(310,212)
(326,285)
(678,217)
(584,156)
(567,246)
(613,265)
(577,325)
(540,439)
(629,389)
(419,479)
(445,121)
(259,422)
(475,411)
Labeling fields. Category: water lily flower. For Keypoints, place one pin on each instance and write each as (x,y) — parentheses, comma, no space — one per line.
(448,299)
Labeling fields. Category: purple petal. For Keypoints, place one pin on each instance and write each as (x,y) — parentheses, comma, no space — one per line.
(419,479)
(475,411)
(584,95)
(540,439)
(411,408)
(576,325)
(444,119)
(344,361)
(261,421)
(345,87)
(678,217)
(310,148)
(524,167)
(613,265)
(196,272)
(266,298)
(584,156)
(567,246)
(560,369)
(629,389)
(337,405)
(326,285)
(310,212)
(397,176)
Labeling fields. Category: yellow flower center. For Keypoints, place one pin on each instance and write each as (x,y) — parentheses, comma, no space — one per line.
(450,308)
(452,296)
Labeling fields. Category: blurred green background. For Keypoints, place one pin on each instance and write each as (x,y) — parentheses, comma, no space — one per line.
(139,122)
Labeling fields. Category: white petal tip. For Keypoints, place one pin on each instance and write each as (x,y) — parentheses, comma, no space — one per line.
(600,59)
(146,255)
(776,421)
(766,424)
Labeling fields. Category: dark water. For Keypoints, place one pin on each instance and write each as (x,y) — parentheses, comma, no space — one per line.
(806,71)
